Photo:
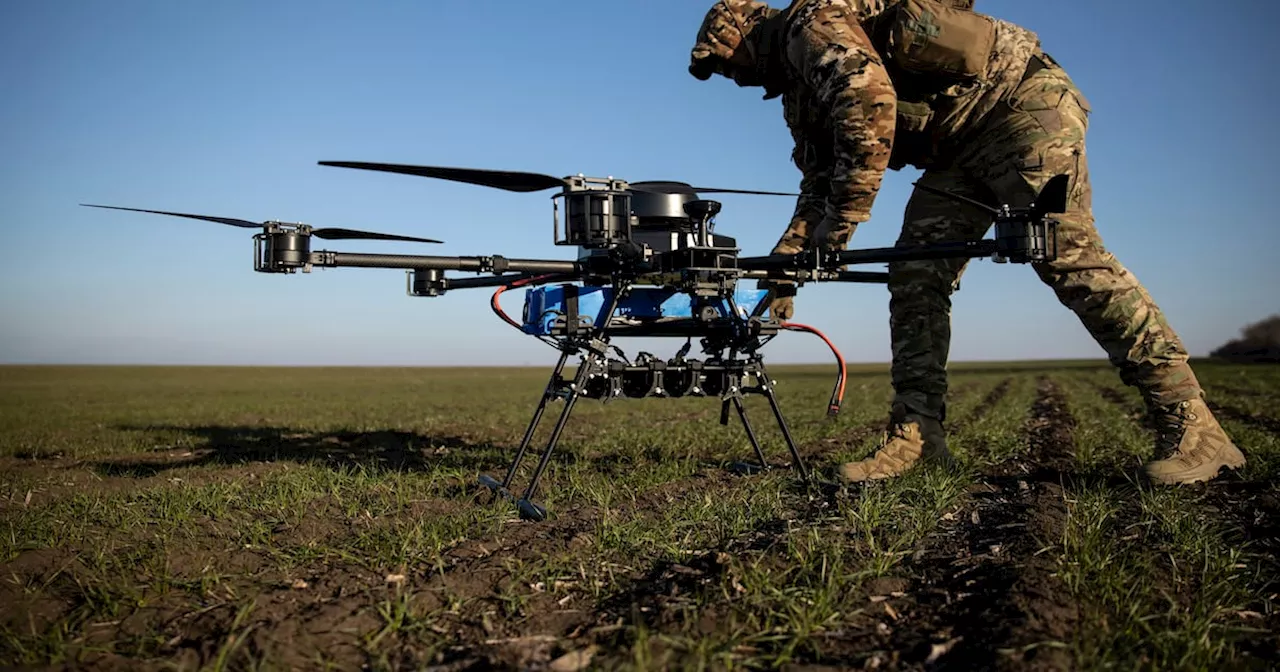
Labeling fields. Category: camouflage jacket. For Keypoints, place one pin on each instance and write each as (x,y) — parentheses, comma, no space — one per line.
(842,106)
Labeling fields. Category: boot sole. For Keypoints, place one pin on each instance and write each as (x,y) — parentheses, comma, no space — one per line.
(949,463)
(1234,461)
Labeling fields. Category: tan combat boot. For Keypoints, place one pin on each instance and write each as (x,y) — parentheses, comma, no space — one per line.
(909,438)
(1198,443)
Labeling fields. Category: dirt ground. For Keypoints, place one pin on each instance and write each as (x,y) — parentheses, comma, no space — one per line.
(264,539)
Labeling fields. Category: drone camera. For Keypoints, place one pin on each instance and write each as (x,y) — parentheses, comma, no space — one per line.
(282,250)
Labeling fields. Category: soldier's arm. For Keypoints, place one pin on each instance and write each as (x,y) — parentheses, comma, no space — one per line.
(811,206)
(834,57)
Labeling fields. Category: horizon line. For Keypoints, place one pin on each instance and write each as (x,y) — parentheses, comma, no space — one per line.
(883,363)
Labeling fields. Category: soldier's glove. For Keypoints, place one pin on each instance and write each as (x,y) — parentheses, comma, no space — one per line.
(784,291)
(836,229)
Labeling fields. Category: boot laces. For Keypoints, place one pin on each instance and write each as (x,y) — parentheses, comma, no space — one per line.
(1171,425)
(896,427)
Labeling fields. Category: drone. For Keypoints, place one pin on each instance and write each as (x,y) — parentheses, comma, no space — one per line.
(649,263)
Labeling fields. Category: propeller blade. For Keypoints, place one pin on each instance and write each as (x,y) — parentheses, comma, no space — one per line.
(501,179)
(330,233)
(352,234)
(956,197)
(664,187)
(243,223)
(714,190)
(1053,198)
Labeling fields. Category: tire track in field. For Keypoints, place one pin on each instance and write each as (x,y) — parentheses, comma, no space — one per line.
(993,397)
(552,618)
(981,594)
(984,407)
(1112,395)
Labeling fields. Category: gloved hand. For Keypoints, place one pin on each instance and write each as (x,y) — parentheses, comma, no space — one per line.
(835,230)
(784,291)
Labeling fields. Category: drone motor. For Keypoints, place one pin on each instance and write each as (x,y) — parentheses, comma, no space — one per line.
(1024,238)
(597,213)
(662,217)
(281,249)
(425,282)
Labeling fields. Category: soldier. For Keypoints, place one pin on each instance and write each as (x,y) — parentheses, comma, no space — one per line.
(870,85)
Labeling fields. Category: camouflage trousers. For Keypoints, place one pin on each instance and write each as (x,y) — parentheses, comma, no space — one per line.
(1040,133)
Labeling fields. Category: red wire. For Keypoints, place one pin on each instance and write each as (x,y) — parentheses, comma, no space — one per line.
(497,308)
(838,394)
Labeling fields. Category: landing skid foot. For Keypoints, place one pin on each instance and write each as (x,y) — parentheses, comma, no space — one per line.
(742,468)
(495,487)
(531,511)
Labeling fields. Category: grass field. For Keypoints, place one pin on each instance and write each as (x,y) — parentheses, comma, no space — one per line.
(223,518)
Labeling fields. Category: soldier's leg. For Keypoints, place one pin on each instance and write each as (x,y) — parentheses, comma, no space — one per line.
(1042,134)
(920,327)
(920,291)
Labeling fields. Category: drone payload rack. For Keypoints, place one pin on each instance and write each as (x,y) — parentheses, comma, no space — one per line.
(649,263)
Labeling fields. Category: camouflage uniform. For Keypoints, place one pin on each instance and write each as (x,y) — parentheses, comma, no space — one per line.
(997,140)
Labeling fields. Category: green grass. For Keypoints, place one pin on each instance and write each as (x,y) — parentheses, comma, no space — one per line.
(230,518)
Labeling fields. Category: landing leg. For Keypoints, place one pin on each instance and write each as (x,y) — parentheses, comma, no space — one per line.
(747,467)
(548,393)
(766,386)
(529,510)
(596,342)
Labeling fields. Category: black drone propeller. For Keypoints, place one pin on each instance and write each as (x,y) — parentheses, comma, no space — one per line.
(1051,199)
(666,187)
(328,234)
(527,182)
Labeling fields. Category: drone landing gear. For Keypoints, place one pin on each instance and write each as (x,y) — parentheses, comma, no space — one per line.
(735,398)
(556,388)
(598,377)
(596,343)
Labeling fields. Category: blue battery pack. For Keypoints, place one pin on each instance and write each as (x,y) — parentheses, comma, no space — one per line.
(545,308)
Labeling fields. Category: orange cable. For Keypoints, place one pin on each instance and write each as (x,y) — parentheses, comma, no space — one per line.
(837,395)
(497,307)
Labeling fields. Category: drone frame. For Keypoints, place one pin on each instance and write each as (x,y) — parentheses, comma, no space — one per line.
(600,220)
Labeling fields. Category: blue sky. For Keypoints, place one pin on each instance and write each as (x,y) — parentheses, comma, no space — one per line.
(225,108)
